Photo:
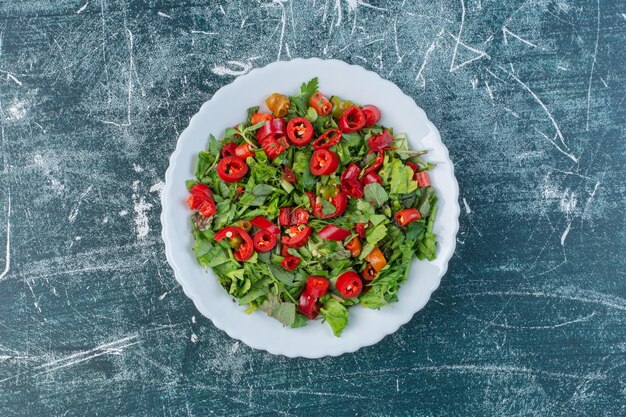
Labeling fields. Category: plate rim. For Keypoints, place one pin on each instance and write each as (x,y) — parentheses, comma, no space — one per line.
(165,209)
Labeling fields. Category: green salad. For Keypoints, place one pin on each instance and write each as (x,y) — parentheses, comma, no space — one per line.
(312,208)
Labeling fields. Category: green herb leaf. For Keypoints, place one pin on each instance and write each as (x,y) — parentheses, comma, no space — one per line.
(263,189)
(283,312)
(375,193)
(336,315)
(311,114)
(327,207)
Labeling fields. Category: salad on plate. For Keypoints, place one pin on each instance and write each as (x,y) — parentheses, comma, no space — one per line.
(311,208)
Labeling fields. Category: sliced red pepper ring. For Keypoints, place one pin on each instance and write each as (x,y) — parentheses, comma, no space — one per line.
(328,139)
(372,177)
(369,273)
(245,247)
(380,142)
(354,246)
(308,305)
(317,285)
(360,229)
(330,232)
(290,262)
(289,175)
(274,128)
(349,284)
(231,169)
(321,104)
(264,224)
(351,120)
(377,259)
(323,162)
(299,131)
(372,115)
(353,188)
(229,149)
(422,179)
(406,216)
(244,151)
(297,236)
(264,241)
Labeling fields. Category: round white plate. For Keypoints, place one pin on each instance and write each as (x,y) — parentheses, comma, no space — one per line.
(227,108)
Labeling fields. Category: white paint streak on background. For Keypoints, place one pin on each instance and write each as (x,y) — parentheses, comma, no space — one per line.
(593,63)
(141,208)
(74,212)
(7,254)
(234,68)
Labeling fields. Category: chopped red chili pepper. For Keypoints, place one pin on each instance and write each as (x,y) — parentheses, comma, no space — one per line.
(351,173)
(349,284)
(299,216)
(297,236)
(243,151)
(354,246)
(377,259)
(376,164)
(290,262)
(369,273)
(274,146)
(229,149)
(372,177)
(321,104)
(360,230)
(308,305)
(293,217)
(289,175)
(284,216)
(351,120)
(201,199)
(323,162)
(353,188)
(339,200)
(330,232)
(264,241)
(380,142)
(413,166)
(274,128)
(231,169)
(259,117)
(299,131)
(372,115)
(244,245)
(264,224)
(422,179)
(317,285)
(406,216)
(328,139)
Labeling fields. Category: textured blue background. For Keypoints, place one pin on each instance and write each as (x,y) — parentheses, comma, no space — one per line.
(529,98)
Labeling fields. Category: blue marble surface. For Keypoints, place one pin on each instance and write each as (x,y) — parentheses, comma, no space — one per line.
(529,98)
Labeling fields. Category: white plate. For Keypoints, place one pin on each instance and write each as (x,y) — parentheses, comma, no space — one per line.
(227,108)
